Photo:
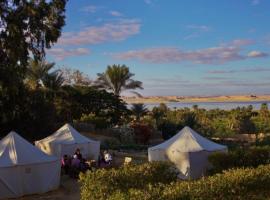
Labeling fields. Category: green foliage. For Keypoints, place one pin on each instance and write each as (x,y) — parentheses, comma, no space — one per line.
(153,181)
(125,135)
(212,123)
(97,121)
(139,110)
(27,28)
(142,132)
(112,143)
(233,184)
(114,183)
(117,78)
(251,157)
(168,129)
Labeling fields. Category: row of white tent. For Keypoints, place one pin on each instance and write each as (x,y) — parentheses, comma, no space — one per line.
(27,169)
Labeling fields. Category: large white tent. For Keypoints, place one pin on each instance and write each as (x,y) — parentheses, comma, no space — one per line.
(189,152)
(66,140)
(24,169)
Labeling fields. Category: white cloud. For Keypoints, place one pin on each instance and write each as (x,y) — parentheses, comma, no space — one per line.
(148,1)
(197,30)
(109,32)
(90,9)
(115,13)
(61,54)
(256,54)
(202,28)
(247,70)
(255,2)
(214,55)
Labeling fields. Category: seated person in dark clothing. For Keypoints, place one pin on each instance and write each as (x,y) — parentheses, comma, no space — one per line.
(75,167)
(78,153)
(84,166)
(101,160)
(65,163)
(75,163)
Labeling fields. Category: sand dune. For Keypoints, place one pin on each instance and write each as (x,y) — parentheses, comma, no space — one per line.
(165,99)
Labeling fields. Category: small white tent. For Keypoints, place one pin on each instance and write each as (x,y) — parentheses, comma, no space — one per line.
(189,152)
(66,140)
(24,169)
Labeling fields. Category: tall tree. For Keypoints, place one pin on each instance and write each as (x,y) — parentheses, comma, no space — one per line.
(139,110)
(53,80)
(37,71)
(117,78)
(27,27)
(75,77)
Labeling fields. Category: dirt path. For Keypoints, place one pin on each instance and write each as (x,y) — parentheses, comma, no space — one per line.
(68,190)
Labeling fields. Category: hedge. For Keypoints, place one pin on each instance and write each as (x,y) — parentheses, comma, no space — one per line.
(249,157)
(151,182)
(232,184)
(102,183)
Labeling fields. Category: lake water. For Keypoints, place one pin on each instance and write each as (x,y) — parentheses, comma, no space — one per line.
(211,105)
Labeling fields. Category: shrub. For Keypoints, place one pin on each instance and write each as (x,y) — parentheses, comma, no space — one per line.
(142,132)
(124,134)
(153,181)
(232,184)
(111,143)
(102,183)
(251,157)
(168,129)
(99,122)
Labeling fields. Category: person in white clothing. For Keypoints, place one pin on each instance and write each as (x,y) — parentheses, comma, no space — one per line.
(107,157)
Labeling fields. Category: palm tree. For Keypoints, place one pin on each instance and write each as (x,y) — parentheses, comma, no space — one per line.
(53,80)
(139,110)
(117,78)
(36,72)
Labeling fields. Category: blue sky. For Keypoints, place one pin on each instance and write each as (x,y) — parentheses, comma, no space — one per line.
(175,47)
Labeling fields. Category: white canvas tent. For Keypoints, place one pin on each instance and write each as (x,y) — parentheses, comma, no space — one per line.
(24,169)
(66,140)
(189,152)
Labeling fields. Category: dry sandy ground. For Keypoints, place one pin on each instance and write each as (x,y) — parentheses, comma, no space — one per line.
(165,99)
(68,190)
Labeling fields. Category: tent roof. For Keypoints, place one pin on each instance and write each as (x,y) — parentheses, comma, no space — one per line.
(187,140)
(66,135)
(15,150)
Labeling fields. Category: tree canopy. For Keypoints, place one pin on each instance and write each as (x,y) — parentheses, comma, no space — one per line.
(117,78)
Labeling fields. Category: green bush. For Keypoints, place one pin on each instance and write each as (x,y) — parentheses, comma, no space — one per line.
(112,143)
(154,181)
(125,134)
(251,157)
(142,132)
(102,183)
(97,121)
(233,184)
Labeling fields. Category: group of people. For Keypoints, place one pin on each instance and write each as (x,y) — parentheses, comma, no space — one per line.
(73,165)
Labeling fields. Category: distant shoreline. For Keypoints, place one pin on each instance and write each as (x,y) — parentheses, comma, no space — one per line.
(213,99)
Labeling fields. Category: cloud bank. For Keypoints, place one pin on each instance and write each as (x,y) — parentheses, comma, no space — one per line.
(61,54)
(213,55)
(109,32)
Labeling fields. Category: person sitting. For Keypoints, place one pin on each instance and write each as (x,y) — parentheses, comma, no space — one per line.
(107,157)
(65,164)
(75,162)
(75,167)
(84,166)
(78,153)
(101,160)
